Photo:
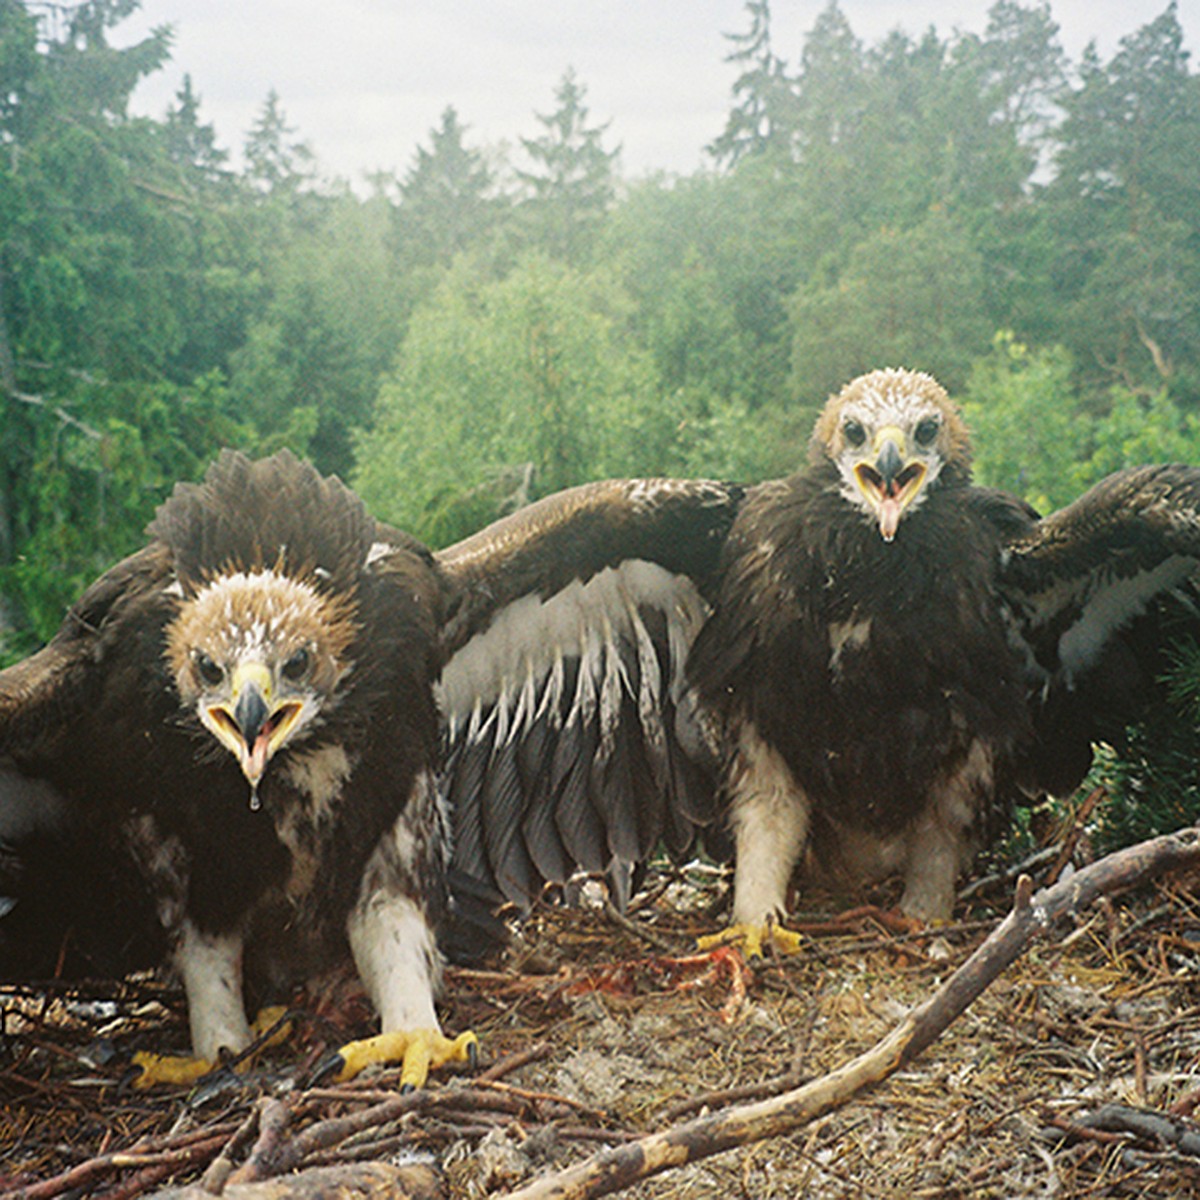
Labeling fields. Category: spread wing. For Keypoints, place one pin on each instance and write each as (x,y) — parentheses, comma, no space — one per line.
(1096,591)
(59,869)
(43,696)
(573,741)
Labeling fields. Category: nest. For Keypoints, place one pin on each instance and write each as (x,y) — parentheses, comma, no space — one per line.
(1074,1074)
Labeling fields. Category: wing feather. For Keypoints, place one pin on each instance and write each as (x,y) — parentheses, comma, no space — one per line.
(43,695)
(571,624)
(1095,593)
(1086,572)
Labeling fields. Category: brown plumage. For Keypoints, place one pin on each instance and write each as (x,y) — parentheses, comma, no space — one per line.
(241,716)
(227,756)
(882,659)
(864,664)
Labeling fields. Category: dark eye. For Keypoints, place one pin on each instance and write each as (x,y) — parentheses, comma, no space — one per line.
(296,666)
(207,669)
(926,431)
(854,433)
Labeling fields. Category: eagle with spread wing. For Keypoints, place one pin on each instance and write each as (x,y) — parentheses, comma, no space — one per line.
(229,754)
(240,716)
(863,665)
(881,660)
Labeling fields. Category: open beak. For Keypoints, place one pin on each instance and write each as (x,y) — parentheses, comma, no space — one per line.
(889,479)
(249,724)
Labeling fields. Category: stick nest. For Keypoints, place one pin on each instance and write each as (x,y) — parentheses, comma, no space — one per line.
(1075,1074)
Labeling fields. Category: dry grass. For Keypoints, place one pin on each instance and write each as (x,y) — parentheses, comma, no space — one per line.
(629,1037)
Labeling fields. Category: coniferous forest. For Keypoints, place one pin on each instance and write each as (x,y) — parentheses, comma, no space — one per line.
(474,333)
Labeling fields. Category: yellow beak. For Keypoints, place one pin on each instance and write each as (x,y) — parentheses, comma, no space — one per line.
(249,724)
(889,478)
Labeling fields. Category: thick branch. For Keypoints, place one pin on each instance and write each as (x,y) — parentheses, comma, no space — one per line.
(359,1181)
(1031,916)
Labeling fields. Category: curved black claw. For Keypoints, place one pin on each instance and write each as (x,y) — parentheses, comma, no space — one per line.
(132,1073)
(218,1082)
(332,1065)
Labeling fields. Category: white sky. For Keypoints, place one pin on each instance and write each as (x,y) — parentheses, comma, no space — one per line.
(364,81)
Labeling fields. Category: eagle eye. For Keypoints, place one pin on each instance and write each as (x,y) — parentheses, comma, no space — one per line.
(296,667)
(927,431)
(208,670)
(854,433)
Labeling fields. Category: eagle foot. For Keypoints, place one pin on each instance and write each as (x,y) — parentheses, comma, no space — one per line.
(751,939)
(271,1027)
(417,1050)
(178,1069)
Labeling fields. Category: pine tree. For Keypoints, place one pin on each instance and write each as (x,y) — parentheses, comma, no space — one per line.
(1122,208)
(190,143)
(275,162)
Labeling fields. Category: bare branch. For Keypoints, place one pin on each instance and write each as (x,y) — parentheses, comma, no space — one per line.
(1032,916)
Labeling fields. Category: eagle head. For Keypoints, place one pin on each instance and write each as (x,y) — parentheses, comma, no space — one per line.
(259,657)
(892,435)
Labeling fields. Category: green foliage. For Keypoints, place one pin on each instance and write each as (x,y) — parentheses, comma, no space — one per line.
(327,327)
(1152,782)
(448,202)
(1020,406)
(762,120)
(277,163)
(710,264)
(1035,438)
(472,335)
(100,461)
(572,181)
(509,390)
(1126,245)
(1140,429)
(908,297)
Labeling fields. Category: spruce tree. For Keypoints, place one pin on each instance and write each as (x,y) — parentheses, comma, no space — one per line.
(446,199)
(573,180)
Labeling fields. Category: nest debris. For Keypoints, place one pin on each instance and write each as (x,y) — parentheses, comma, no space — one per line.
(1076,1074)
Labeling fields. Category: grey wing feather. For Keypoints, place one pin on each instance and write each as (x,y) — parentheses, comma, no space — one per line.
(571,741)
(1080,576)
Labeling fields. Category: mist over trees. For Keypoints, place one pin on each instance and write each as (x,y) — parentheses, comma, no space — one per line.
(480,330)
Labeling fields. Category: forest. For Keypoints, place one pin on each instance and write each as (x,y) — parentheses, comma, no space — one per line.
(477,332)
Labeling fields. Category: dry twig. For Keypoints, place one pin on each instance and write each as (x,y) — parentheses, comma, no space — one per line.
(1031,917)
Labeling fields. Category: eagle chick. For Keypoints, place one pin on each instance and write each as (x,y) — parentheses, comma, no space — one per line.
(244,711)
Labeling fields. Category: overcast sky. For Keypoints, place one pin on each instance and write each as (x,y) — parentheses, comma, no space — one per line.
(364,81)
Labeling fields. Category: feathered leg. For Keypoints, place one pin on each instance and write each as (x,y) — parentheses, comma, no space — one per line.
(210,966)
(395,949)
(945,838)
(770,818)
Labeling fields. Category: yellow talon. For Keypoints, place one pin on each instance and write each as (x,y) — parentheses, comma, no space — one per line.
(752,938)
(180,1069)
(266,1018)
(168,1068)
(418,1050)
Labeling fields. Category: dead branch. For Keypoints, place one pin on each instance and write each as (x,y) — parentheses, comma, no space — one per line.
(361,1181)
(641,930)
(514,1062)
(273,1120)
(1146,1125)
(1032,916)
(1078,828)
(174,1155)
